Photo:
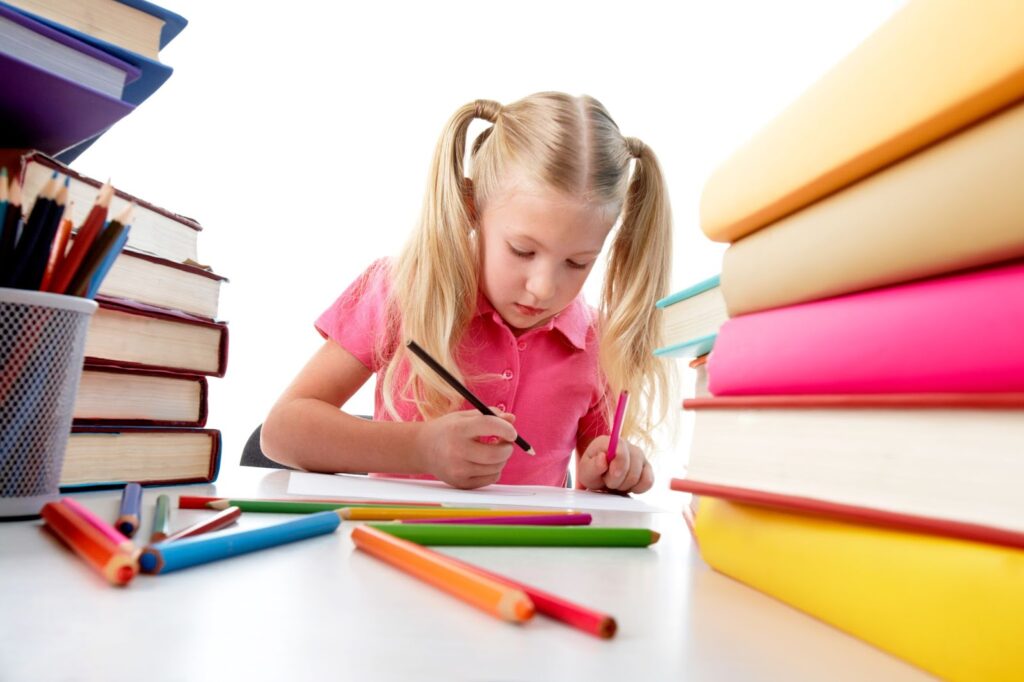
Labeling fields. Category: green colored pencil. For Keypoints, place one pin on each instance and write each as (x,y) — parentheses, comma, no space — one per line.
(161,519)
(287,507)
(522,536)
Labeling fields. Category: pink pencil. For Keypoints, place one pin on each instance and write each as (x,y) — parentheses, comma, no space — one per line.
(113,534)
(620,412)
(541,520)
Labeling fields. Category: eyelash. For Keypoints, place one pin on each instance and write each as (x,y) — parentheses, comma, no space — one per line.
(526,254)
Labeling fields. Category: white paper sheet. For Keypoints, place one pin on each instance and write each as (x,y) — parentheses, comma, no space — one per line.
(415,490)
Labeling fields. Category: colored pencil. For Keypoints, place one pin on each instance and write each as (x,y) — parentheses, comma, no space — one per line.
(90,544)
(294,507)
(520,536)
(395,513)
(463,391)
(25,248)
(495,597)
(58,248)
(580,617)
(87,233)
(107,262)
(48,229)
(131,509)
(219,520)
(620,413)
(547,520)
(112,534)
(9,236)
(161,519)
(4,198)
(165,557)
(200,502)
(101,248)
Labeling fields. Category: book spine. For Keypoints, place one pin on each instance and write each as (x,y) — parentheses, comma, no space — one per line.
(951,607)
(954,206)
(962,333)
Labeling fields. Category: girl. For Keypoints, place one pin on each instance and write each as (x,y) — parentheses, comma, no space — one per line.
(489,285)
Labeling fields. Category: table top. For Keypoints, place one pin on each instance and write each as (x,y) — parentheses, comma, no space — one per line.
(319,608)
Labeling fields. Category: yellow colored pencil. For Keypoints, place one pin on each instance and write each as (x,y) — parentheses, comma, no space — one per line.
(497,598)
(398,513)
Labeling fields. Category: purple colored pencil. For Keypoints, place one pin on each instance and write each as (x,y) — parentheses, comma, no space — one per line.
(540,520)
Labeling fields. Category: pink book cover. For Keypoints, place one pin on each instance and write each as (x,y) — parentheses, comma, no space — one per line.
(957,333)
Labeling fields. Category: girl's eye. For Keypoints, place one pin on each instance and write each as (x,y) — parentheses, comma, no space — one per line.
(519,254)
(576,266)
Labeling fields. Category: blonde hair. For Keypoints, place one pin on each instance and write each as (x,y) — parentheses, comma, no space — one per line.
(569,144)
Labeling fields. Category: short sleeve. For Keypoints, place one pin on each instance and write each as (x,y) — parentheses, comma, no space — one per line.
(356,320)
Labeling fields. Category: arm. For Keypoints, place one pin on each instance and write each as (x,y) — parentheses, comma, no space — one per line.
(305,429)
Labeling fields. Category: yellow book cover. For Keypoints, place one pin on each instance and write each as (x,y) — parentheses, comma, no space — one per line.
(952,607)
(933,68)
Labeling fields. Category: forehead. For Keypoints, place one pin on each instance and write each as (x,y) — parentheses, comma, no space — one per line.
(548,217)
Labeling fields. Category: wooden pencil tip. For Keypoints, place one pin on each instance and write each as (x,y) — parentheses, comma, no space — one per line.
(218,504)
(343,513)
(607,628)
(655,536)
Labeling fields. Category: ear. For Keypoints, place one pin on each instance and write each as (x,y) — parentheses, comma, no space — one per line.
(467,197)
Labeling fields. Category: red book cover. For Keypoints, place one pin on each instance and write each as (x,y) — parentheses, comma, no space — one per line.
(141,310)
(845,512)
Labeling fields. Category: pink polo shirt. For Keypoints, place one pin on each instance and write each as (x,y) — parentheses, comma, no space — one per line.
(548,376)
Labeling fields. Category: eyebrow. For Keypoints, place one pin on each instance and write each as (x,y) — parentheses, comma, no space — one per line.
(518,236)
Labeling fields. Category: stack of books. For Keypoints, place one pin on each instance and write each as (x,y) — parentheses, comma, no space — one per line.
(860,455)
(68,71)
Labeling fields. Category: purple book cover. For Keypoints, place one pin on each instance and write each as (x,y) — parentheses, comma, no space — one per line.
(131,72)
(46,112)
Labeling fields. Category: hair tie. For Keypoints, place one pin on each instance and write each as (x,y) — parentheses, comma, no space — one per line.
(635,146)
(487,109)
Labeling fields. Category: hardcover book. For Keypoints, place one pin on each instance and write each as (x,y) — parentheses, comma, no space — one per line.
(691,319)
(110,395)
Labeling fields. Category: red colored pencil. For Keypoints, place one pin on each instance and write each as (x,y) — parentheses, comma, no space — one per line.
(92,226)
(215,522)
(90,544)
(580,617)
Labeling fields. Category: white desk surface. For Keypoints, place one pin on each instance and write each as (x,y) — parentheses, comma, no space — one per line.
(320,609)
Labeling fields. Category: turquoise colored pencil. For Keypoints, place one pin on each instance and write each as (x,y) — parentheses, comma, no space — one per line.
(519,536)
(165,557)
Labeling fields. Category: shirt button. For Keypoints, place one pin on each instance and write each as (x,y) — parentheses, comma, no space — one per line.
(501,406)
(522,345)
(507,374)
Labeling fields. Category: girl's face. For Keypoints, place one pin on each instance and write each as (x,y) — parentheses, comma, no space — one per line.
(537,248)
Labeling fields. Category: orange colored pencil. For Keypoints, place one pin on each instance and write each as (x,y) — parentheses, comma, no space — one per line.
(496,598)
(397,513)
(89,543)
(90,229)
(60,245)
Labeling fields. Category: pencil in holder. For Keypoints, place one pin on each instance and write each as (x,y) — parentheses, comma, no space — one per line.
(42,346)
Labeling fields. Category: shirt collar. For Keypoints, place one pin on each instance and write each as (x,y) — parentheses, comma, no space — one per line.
(573,323)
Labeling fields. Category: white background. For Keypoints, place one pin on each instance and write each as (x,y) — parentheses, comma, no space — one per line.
(299,134)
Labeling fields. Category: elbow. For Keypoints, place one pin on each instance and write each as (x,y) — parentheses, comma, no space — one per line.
(273,438)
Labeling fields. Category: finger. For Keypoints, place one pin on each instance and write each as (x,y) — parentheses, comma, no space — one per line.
(646,481)
(619,467)
(487,455)
(636,468)
(485,425)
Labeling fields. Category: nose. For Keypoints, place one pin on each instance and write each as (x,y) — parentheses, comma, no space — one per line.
(541,284)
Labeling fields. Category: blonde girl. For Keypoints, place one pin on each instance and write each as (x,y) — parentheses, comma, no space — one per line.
(490,285)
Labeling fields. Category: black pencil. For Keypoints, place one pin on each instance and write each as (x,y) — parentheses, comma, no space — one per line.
(465,392)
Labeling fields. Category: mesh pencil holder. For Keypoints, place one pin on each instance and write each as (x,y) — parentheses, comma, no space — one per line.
(42,344)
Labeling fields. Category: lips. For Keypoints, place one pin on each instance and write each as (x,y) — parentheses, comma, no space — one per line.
(528,311)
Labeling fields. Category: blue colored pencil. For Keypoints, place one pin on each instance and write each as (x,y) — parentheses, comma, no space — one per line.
(108,262)
(165,557)
(131,510)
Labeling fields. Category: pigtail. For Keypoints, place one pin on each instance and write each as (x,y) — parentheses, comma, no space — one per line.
(639,265)
(434,283)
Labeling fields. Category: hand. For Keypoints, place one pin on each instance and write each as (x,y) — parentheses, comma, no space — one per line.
(467,449)
(629,472)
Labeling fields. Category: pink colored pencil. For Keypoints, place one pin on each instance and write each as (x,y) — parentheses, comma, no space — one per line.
(201,502)
(111,533)
(620,413)
(552,520)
